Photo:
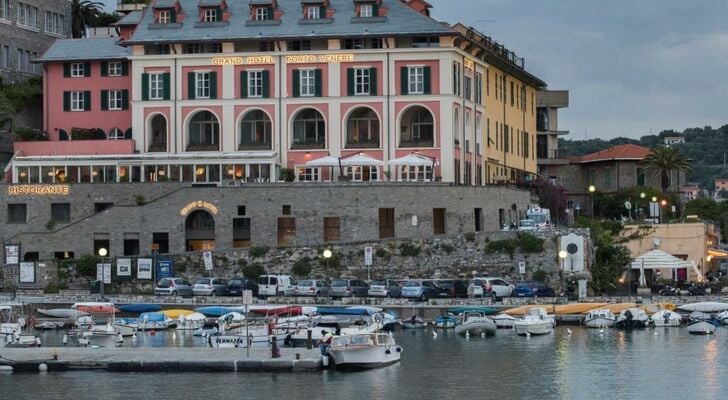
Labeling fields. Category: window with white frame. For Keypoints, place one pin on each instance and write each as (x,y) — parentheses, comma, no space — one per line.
(115,68)
(77,70)
(362,81)
(27,16)
(115,134)
(362,173)
(202,85)
(165,17)
(115,100)
(77,101)
(366,11)
(255,83)
(55,23)
(456,74)
(416,173)
(308,174)
(416,80)
(156,86)
(479,88)
(211,15)
(5,9)
(308,82)
(468,86)
(261,14)
(314,12)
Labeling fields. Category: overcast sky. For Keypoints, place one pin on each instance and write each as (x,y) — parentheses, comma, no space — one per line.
(632,66)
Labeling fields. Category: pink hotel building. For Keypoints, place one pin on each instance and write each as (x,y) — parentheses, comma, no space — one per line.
(224,91)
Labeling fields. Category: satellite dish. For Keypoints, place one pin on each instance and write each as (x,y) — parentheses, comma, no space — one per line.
(656,242)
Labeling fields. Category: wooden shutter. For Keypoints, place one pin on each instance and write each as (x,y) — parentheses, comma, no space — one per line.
(438,221)
(66,70)
(124,99)
(373,81)
(243,84)
(173,16)
(124,68)
(318,80)
(191,85)
(165,86)
(104,100)
(386,222)
(269,13)
(87,69)
(427,76)
(322,11)
(266,84)
(145,87)
(404,80)
(66,101)
(296,83)
(332,232)
(375,10)
(213,85)
(87,100)
(218,14)
(104,68)
(350,82)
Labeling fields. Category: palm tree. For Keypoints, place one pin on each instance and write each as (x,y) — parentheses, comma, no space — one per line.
(663,160)
(83,15)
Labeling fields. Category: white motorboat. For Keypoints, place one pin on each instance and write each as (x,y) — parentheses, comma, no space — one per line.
(535,322)
(598,319)
(191,322)
(414,322)
(68,313)
(12,324)
(255,336)
(632,318)
(231,320)
(503,321)
(701,323)
(722,317)
(705,306)
(371,350)
(665,318)
(475,323)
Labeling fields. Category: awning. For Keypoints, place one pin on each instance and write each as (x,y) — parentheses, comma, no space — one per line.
(716,253)
(658,259)
(360,160)
(413,160)
(328,161)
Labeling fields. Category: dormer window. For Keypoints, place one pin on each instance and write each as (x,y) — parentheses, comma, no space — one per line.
(212,15)
(165,17)
(314,12)
(263,13)
(366,10)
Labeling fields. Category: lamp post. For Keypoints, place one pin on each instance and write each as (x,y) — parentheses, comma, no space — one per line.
(592,189)
(653,205)
(562,255)
(327,254)
(102,253)
(642,196)
(663,204)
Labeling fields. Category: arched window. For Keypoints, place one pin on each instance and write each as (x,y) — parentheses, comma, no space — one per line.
(255,131)
(456,127)
(417,128)
(158,133)
(203,132)
(362,129)
(115,134)
(309,130)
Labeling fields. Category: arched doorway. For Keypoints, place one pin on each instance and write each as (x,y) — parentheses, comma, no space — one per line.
(158,133)
(199,231)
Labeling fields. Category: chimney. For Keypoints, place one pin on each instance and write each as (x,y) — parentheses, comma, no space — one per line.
(421,6)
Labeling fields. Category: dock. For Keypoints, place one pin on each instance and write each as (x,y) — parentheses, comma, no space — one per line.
(152,359)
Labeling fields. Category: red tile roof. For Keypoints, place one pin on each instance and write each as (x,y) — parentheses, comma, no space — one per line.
(621,152)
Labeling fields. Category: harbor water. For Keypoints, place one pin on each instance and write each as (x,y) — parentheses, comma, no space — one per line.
(583,364)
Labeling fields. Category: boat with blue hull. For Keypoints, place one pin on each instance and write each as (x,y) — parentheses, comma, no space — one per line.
(139,308)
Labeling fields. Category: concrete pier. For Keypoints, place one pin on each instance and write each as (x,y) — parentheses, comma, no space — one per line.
(152,359)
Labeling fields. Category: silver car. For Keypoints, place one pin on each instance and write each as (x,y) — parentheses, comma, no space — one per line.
(310,287)
(173,287)
(210,287)
(384,288)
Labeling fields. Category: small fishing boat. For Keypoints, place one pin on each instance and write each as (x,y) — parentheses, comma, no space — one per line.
(414,322)
(599,318)
(666,318)
(12,326)
(535,322)
(361,351)
(204,332)
(49,325)
(230,321)
(484,309)
(705,306)
(176,313)
(67,313)
(632,318)
(503,321)
(446,321)
(216,311)
(139,308)
(701,323)
(722,317)
(617,308)
(475,323)
(576,308)
(653,308)
(191,322)
(98,309)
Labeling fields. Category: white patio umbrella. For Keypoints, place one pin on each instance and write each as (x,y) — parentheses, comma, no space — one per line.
(360,160)
(328,161)
(414,160)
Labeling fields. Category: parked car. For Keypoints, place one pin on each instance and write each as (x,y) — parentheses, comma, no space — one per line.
(419,289)
(477,288)
(173,287)
(452,288)
(532,289)
(276,285)
(348,288)
(495,288)
(384,288)
(210,287)
(312,287)
(236,286)
(527,225)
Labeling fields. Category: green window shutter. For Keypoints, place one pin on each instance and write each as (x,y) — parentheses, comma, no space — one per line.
(104,100)
(375,10)
(124,68)
(191,85)
(427,71)
(87,69)
(318,82)
(213,85)
(87,100)
(66,101)
(165,86)
(173,16)
(145,87)
(218,14)
(350,81)
(243,84)
(296,83)
(322,12)
(373,81)
(269,13)
(66,70)
(404,80)
(124,99)
(104,68)
(266,84)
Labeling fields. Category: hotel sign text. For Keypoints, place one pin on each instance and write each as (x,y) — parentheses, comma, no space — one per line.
(243,60)
(198,204)
(322,58)
(38,190)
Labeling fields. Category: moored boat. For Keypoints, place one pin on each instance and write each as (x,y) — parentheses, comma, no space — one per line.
(576,308)
(68,313)
(484,309)
(599,318)
(617,308)
(722,317)
(705,307)
(475,323)
(371,350)
(666,318)
(414,322)
(701,323)
(632,318)
(176,313)
(191,322)
(445,321)
(535,322)
(503,321)
(139,308)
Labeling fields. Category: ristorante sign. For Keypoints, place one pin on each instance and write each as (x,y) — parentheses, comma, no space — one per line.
(197,205)
(38,190)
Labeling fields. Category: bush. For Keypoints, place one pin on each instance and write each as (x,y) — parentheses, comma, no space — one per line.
(286,174)
(409,250)
(381,253)
(55,287)
(139,199)
(50,224)
(26,134)
(258,251)
(506,245)
(86,265)
(540,275)
(470,236)
(530,244)
(447,248)
(302,267)
(254,271)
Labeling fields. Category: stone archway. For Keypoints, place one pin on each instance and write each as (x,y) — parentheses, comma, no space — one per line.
(199,231)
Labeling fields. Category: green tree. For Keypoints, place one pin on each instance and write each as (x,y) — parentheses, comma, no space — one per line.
(84,14)
(106,19)
(663,160)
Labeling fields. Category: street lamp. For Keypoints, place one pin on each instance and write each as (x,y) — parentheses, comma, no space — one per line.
(639,210)
(102,253)
(663,203)
(592,189)
(562,255)
(327,255)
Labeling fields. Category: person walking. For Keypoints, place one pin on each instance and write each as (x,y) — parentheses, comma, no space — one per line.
(325,342)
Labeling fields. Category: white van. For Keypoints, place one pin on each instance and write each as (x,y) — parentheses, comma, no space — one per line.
(276,285)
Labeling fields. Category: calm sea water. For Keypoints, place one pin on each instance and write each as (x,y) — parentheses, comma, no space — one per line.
(650,364)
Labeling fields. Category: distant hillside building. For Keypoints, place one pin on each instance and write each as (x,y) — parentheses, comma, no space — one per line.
(720,185)
(548,103)
(670,140)
(690,192)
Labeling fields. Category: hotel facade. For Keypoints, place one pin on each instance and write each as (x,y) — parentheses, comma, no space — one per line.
(230,94)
